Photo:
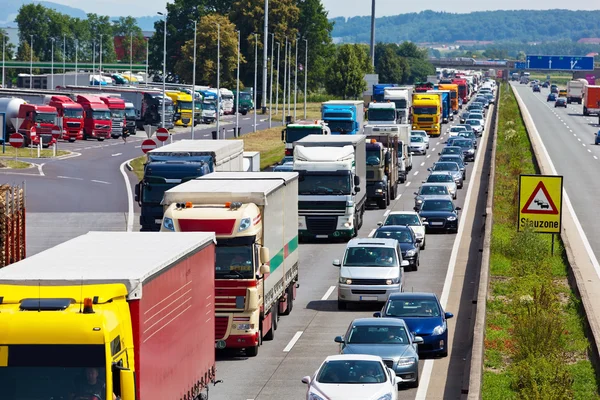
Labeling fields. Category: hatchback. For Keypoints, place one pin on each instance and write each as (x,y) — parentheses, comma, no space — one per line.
(561,102)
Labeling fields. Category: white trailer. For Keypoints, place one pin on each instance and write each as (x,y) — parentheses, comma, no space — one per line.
(575,90)
(402,97)
(221,155)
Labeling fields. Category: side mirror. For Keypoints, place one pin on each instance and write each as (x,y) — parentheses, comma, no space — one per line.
(458,208)
(339,339)
(137,192)
(377,314)
(356,180)
(356,189)
(306,380)
(404,263)
(419,240)
(439,154)
(283,135)
(264,255)
(337,263)
(448,315)
(264,269)
(127,384)
(418,340)
(425,223)
(415,193)
(429,169)
(416,209)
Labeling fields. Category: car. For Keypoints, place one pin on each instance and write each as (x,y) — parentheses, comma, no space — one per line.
(452,168)
(554,90)
(560,102)
(344,376)
(467,146)
(469,135)
(430,189)
(536,88)
(446,178)
(455,130)
(370,270)
(597,138)
(545,85)
(410,246)
(455,150)
(285,167)
(407,218)
(463,117)
(441,214)
(423,134)
(477,126)
(388,338)
(457,159)
(490,98)
(475,106)
(417,145)
(562,93)
(476,115)
(424,315)
(451,140)
(467,127)
(551,97)
(483,100)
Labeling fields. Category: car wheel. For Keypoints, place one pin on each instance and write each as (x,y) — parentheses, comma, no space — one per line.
(416,266)
(423,244)
(342,305)
(415,384)
(444,353)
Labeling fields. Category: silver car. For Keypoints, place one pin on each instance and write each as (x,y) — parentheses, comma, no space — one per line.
(431,190)
(445,178)
(452,168)
(423,134)
(477,126)
(418,145)
(388,338)
(457,159)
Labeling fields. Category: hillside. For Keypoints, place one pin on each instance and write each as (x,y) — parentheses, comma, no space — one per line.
(430,26)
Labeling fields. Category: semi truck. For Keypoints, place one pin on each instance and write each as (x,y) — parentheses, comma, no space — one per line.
(332,188)
(381,113)
(255,218)
(298,130)
(575,90)
(382,163)
(21,117)
(402,98)
(134,310)
(446,101)
(170,165)
(344,117)
(591,100)
(427,113)
(453,88)
(227,101)
(182,103)
(97,122)
(463,89)
(379,91)
(12,224)
(116,105)
(71,114)
(130,118)
(245,100)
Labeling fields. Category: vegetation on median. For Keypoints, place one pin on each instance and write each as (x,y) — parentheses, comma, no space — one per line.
(12,164)
(31,152)
(535,345)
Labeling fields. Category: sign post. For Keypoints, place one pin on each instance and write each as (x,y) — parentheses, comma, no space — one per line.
(3,131)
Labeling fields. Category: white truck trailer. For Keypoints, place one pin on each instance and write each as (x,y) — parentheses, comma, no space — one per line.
(402,97)
(575,90)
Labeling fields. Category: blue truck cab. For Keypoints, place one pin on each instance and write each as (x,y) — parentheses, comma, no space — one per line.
(344,117)
(447,114)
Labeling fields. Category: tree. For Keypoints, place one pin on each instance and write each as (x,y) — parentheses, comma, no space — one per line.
(101,25)
(389,65)
(346,71)
(9,51)
(206,53)
(24,54)
(125,27)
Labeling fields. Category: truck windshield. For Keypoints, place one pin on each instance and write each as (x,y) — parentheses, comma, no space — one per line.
(425,110)
(53,371)
(101,114)
(324,184)
(73,113)
(209,106)
(245,96)
(185,105)
(130,113)
(226,97)
(234,262)
(378,114)
(400,104)
(295,134)
(340,126)
(45,118)
(117,114)
(373,157)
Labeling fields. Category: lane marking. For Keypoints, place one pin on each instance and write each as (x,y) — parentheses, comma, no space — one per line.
(386,213)
(96,181)
(129,196)
(138,147)
(369,235)
(407,184)
(589,151)
(398,197)
(332,288)
(595,157)
(69,177)
(423,163)
(433,149)
(416,172)
(428,155)
(292,342)
(39,167)
(116,154)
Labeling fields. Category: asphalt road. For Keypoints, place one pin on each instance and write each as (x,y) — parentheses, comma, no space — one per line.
(569,139)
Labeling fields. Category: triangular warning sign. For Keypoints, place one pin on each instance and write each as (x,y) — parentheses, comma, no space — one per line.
(540,202)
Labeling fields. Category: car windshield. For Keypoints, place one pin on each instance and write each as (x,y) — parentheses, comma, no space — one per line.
(418,133)
(457,129)
(370,257)
(377,335)
(440,178)
(402,236)
(474,122)
(293,134)
(245,96)
(451,159)
(45,118)
(209,106)
(402,219)
(381,114)
(466,134)
(445,166)
(412,308)
(452,150)
(433,190)
(462,143)
(73,113)
(324,184)
(425,110)
(437,205)
(340,126)
(416,139)
(351,372)
(233,262)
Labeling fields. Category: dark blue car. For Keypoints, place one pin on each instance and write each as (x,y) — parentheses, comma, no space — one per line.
(424,316)
(440,214)
(409,245)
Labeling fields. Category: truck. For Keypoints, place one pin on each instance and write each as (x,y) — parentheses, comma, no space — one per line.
(575,90)
(255,218)
(447,114)
(12,224)
(227,101)
(332,189)
(298,130)
(21,117)
(402,97)
(130,118)
(591,100)
(170,165)
(422,87)
(344,117)
(71,115)
(245,101)
(427,113)
(139,318)
(182,103)
(209,106)
(382,163)
(381,113)
(404,153)
(463,89)
(116,105)
(379,91)
(453,88)
(97,121)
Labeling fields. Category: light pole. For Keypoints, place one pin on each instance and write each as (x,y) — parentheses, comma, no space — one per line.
(305,73)
(271,95)
(64,58)
(265,50)
(31,64)
(277,88)
(147,48)
(237,87)
(296,81)
(219,79)
(76,51)
(373,33)
(3,60)
(100,66)
(284,83)
(164,66)
(194,83)
(51,66)
(130,55)
(289,99)
(255,73)
(93,61)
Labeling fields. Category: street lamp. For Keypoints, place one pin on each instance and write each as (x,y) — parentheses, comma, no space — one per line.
(100,66)
(93,61)
(255,72)
(305,73)
(194,83)
(296,81)
(147,45)
(165,14)
(271,95)
(3,62)
(31,64)
(277,88)
(130,55)
(237,88)
(265,51)
(76,51)
(64,57)
(219,80)
(285,60)
(51,66)
(289,99)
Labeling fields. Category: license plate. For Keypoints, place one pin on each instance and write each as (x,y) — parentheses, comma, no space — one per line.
(322,236)
(436,223)
(368,298)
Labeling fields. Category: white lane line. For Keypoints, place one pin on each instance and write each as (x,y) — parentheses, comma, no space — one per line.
(87,148)
(39,167)
(423,163)
(332,288)
(116,154)
(407,184)
(595,158)
(97,181)
(292,342)
(427,156)
(398,197)
(69,177)
(579,139)
(589,151)
(416,172)
(575,134)
(433,149)
(438,143)
(583,144)
(386,213)
(369,235)
(137,147)
(129,196)
(570,130)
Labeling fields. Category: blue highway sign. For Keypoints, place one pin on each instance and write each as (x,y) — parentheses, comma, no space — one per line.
(520,65)
(560,63)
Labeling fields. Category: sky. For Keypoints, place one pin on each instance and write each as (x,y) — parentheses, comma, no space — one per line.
(347,8)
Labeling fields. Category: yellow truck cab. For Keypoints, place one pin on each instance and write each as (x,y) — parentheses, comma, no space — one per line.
(183,107)
(427,113)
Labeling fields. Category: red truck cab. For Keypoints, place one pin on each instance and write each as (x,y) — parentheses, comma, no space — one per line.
(43,118)
(116,106)
(72,117)
(463,89)
(96,117)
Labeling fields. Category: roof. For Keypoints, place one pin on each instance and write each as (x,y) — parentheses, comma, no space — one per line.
(325,154)
(394,228)
(403,213)
(221,148)
(379,321)
(372,242)
(413,295)
(344,357)
(331,139)
(130,258)
(343,102)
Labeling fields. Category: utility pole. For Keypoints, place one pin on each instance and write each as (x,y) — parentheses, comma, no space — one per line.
(289,100)
(76,51)
(31,64)
(255,77)
(305,74)
(51,67)
(147,48)
(130,55)
(277,86)
(194,83)
(237,87)
(219,79)
(271,95)
(64,58)
(164,67)
(100,65)
(284,83)
(3,59)
(265,49)
(373,33)
(93,60)
(296,81)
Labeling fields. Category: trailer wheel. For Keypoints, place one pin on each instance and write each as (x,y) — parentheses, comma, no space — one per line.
(271,334)
(290,299)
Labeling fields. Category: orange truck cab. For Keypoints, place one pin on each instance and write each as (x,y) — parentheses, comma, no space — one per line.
(116,105)
(96,118)
(72,117)
(43,118)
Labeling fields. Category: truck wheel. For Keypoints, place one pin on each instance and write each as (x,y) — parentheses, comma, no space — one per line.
(101,139)
(271,334)
(290,299)
(388,198)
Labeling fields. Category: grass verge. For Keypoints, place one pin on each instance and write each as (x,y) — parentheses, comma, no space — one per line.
(137,164)
(32,152)
(313,110)
(14,164)
(555,78)
(535,345)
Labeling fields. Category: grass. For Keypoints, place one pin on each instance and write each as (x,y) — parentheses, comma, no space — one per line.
(32,152)
(137,164)
(535,345)
(14,164)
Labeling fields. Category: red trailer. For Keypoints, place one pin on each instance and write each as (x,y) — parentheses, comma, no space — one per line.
(463,89)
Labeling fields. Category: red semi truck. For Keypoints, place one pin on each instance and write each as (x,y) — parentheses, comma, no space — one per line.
(72,117)
(116,105)
(463,89)
(140,316)
(43,118)
(96,116)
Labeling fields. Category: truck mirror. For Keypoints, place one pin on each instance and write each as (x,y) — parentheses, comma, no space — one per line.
(357,189)
(356,180)
(283,135)
(137,192)
(264,255)
(127,384)
(264,269)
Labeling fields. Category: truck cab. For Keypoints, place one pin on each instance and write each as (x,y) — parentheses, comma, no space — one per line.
(71,114)
(382,163)
(227,101)
(43,118)
(130,118)
(402,98)
(245,101)
(96,116)
(381,113)
(453,88)
(344,117)
(182,102)
(427,113)
(209,107)
(116,105)
(300,129)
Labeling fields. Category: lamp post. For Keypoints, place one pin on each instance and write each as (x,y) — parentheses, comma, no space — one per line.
(255,77)
(147,48)
(100,66)
(194,83)
(64,58)
(164,66)
(296,81)
(76,51)
(3,59)
(130,55)
(305,73)
(93,61)
(237,88)
(285,60)
(277,88)
(271,95)
(265,52)
(289,99)
(51,66)
(219,79)
(31,63)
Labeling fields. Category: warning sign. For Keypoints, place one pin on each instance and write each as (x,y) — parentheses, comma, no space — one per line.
(540,203)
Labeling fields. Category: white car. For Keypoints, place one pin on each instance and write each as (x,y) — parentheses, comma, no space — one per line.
(352,377)
(455,130)
(410,218)
(422,134)
(477,126)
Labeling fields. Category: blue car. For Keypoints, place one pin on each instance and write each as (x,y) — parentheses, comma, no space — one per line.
(424,316)
(597,138)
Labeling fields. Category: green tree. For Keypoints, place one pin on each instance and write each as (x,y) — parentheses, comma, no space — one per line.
(389,65)
(126,27)
(9,51)
(101,25)
(206,53)
(346,72)
(24,54)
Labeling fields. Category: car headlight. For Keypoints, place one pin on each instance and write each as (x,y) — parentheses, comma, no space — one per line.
(314,396)
(244,224)
(410,253)
(438,330)
(378,190)
(471,150)
(419,201)
(418,234)
(406,361)
(392,281)
(168,224)
(347,281)
(451,218)
(387,396)
(350,203)
(244,327)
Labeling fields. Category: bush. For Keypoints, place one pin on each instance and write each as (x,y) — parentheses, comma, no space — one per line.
(541,378)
